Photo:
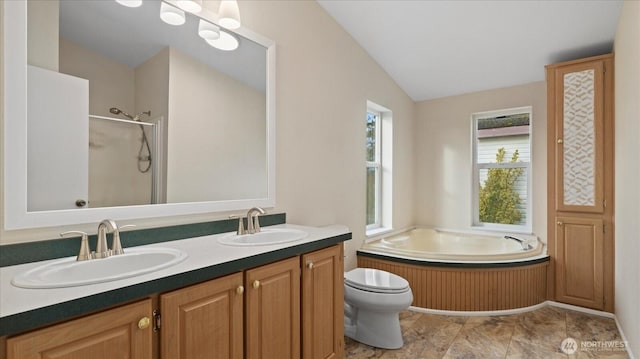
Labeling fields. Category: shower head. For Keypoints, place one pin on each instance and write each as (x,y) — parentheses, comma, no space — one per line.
(137,117)
(117,111)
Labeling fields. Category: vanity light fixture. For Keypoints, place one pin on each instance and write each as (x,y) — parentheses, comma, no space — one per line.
(226,42)
(194,6)
(171,15)
(229,14)
(130,3)
(208,31)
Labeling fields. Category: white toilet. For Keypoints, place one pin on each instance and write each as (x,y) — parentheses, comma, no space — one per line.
(372,300)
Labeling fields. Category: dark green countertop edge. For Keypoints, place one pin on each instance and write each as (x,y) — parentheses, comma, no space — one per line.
(12,254)
(427,263)
(33,319)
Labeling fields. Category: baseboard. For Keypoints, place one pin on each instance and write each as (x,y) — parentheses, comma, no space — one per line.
(479,313)
(581,309)
(624,339)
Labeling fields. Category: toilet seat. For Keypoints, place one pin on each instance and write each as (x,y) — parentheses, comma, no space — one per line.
(374,280)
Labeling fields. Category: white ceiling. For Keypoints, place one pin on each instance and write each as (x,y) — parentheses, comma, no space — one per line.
(131,36)
(441,48)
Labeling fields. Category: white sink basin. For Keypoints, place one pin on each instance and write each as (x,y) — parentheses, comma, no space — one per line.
(264,237)
(70,273)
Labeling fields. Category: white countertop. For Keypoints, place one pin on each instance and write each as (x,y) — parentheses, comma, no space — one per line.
(202,252)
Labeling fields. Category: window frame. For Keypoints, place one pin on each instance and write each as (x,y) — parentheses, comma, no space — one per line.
(384,190)
(477,167)
(376,164)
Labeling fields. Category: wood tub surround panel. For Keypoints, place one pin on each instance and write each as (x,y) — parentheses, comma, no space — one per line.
(469,289)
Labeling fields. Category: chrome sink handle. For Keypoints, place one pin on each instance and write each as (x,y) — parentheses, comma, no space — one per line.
(253,223)
(85,252)
(241,229)
(116,246)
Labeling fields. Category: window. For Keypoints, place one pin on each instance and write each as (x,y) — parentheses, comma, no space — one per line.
(502,169)
(374,167)
(378,166)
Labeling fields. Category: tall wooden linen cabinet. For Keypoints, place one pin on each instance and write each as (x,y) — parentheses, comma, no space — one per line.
(580,144)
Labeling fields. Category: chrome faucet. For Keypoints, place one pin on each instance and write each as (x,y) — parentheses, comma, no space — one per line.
(253,223)
(525,245)
(102,249)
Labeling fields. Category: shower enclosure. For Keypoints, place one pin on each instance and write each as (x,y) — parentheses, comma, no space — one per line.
(125,160)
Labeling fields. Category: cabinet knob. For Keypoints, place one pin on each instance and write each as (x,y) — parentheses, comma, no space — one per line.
(256,284)
(560,140)
(240,290)
(144,323)
(560,223)
(310,265)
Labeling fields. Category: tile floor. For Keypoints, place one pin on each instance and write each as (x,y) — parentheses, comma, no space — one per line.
(536,334)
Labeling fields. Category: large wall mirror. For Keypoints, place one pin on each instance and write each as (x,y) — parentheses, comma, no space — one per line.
(112,113)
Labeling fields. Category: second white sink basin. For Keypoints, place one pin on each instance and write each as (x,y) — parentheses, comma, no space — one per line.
(70,273)
(264,237)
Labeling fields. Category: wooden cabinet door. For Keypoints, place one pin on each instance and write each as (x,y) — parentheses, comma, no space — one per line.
(203,320)
(117,333)
(272,309)
(579,264)
(323,304)
(579,129)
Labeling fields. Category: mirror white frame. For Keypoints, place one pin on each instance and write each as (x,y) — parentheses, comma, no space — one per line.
(16,215)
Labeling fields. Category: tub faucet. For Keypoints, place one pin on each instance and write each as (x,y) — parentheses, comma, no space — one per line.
(253,223)
(523,243)
(102,249)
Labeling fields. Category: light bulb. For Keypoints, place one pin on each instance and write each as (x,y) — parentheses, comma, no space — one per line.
(130,3)
(171,15)
(226,42)
(190,5)
(208,31)
(229,14)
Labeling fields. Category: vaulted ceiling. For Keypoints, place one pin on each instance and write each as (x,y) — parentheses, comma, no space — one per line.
(441,48)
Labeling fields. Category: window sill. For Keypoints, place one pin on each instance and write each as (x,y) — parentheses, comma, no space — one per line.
(377,231)
(503,229)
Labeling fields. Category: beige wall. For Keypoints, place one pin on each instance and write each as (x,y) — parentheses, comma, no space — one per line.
(323,81)
(443,154)
(216,135)
(152,94)
(627,201)
(42,33)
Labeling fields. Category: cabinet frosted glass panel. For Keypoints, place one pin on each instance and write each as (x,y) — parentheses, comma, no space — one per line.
(579,137)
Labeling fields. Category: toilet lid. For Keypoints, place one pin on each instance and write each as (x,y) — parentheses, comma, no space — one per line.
(375,280)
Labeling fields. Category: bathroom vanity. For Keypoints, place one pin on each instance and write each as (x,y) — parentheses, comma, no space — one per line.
(272,301)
